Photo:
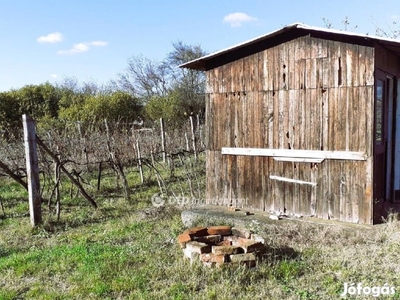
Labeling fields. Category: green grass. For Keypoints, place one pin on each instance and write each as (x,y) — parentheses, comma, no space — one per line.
(126,249)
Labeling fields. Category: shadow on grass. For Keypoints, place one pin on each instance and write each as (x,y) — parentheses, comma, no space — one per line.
(284,263)
(4,252)
(278,253)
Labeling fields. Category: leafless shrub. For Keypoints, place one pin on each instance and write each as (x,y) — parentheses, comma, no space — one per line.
(86,148)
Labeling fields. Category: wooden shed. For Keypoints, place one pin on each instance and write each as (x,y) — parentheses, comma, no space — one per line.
(305,121)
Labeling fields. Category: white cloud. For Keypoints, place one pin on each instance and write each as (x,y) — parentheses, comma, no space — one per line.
(83,47)
(54,37)
(236,19)
(53,76)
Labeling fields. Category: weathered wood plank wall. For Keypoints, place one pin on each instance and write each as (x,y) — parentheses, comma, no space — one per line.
(309,94)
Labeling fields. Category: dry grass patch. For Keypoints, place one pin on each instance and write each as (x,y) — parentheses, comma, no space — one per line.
(134,257)
(128,250)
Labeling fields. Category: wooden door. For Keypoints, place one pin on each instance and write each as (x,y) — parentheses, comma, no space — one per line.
(396,151)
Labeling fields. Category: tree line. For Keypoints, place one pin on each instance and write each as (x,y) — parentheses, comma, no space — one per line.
(146,90)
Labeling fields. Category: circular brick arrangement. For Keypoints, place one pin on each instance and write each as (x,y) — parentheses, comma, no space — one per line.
(222,246)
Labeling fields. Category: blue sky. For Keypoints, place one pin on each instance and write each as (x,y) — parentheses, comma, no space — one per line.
(92,40)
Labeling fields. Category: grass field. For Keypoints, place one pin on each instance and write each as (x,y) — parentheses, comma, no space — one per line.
(128,250)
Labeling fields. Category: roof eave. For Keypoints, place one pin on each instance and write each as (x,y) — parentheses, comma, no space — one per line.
(202,62)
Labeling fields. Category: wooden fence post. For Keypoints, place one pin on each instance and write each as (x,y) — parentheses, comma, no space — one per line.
(32,170)
(2,207)
(57,188)
(193,137)
(84,150)
(187,142)
(162,139)
(139,161)
(99,176)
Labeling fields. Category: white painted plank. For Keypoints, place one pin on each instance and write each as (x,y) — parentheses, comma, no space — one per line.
(279,178)
(344,155)
(299,159)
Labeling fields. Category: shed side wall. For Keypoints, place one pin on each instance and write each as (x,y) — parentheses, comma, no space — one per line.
(310,94)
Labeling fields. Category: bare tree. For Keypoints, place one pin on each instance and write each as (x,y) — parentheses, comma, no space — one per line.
(392,30)
(190,84)
(145,78)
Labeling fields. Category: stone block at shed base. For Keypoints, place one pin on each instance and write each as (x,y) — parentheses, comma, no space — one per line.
(218,214)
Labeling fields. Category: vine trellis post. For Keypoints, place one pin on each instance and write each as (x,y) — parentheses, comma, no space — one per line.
(32,170)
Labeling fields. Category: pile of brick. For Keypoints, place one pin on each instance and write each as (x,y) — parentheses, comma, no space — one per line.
(222,245)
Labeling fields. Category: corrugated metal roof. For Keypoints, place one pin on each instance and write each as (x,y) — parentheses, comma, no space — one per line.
(303,29)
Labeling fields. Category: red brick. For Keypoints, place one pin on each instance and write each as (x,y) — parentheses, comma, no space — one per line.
(242,241)
(188,254)
(224,243)
(230,238)
(241,232)
(248,259)
(183,239)
(221,230)
(248,245)
(209,239)
(213,258)
(219,250)
(197,231)
(197,247)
